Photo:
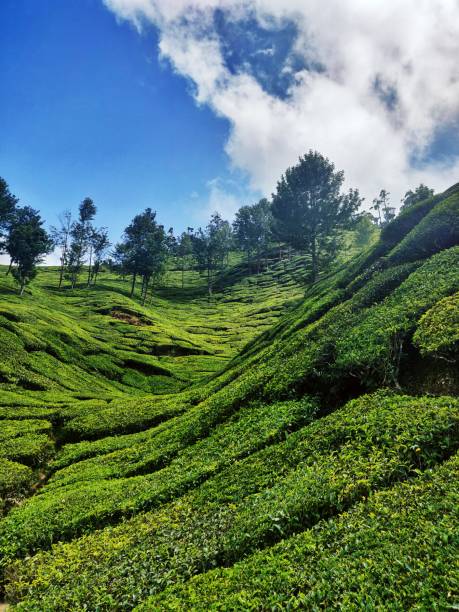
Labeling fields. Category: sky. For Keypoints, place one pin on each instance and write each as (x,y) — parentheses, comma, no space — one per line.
(191,106)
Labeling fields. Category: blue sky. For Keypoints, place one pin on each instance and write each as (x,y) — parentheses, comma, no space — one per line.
(189,106)
(88,109)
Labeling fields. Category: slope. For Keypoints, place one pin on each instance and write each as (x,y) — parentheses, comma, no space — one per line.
(299,446)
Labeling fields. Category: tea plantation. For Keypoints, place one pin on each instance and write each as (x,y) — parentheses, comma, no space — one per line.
(279,446)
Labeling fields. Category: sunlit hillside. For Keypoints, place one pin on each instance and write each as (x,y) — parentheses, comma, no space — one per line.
(278,445)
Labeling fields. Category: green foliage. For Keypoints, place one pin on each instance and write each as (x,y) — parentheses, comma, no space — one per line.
(88,504)
(393,552)
(211,246)
(8,204)
(15,481)
(252,228)
(439,229)
(13,428)
(421,193)
(411,216)
(438,328)
(197,433)
(31,449)
(80,234)
(384,212)
(26,243)
(308,208)
(317,472)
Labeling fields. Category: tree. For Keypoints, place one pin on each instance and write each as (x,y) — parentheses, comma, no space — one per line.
(61,238)
(418,195)
(119,259)
(211,246)
(385,212)
(27,243)
(99,244)
(309,209)
(80,233)
(364,229)
(143,251)
(184,251)
(8,204)
(252,228)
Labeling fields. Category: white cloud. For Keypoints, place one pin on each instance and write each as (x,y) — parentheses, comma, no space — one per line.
(50,260)
(224,197)
(409,48)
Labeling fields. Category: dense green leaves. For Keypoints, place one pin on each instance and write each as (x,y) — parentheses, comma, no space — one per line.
(191,474)
(317,472)
(395,551)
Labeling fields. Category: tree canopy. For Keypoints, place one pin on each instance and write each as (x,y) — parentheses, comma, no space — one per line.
(211,245)
(252,227)
(309,208)
(27,243)
(422,192)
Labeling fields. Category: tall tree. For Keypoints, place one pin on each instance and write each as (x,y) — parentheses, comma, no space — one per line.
(309,209)
(185,251)
(27,243)
(119,260)
(252,228)
(381,205)
(61,238)
(100,244)
(143,251)
(211,246)
(80,233)
(8,203)
(422,192)
(365,229)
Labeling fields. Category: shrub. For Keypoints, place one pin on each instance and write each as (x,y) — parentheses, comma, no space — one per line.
(316,473)
(438,230)
(15,480)
(438,328)
(31,449)
(392,552)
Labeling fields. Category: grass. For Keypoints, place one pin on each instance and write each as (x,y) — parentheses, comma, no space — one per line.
(258,450)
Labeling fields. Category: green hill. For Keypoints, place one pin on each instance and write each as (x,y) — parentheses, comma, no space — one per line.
(269,449)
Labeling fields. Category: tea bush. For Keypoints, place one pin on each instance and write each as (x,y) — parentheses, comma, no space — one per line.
(393,551)
(334,463)
(225,453)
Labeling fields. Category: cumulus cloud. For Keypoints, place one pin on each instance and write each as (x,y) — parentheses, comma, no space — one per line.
(388,83)
(53,259)
(222,196)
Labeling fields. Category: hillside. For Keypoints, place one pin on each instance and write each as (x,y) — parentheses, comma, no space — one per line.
(272,448)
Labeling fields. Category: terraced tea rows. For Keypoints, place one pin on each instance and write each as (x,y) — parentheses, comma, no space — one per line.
(300,450)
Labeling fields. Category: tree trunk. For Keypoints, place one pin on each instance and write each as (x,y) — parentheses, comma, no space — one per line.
(134,277)
(183,273)
(21,293)
(209,284)
(144,290)
(314,260)
(9,267)
(61,274)
(89,268)
(63,260)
